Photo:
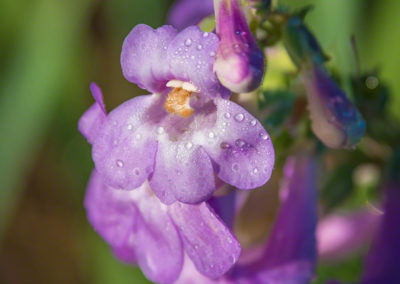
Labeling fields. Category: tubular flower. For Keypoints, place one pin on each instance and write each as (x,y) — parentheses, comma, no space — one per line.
(289,256)
(178,137)
(240,62)
(142,230)
(335,119)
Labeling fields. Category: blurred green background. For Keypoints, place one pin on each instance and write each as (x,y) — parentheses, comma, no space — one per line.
(49,52)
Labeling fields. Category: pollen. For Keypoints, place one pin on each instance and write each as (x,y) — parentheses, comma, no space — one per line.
(178,99)
(177,102)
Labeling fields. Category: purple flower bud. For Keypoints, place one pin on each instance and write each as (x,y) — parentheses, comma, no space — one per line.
(334,118)
(240,62)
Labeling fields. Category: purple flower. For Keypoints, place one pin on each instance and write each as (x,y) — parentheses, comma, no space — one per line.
(140,140)
(185,13)
(342,234)
(334,118)
(142,230)
(382,264)
(289,256)
(240,62)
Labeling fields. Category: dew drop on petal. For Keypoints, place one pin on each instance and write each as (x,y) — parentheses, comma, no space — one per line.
(189,145)
(120,163)
(188,42)
(211,135)
(225,145)
(212,53)
(255,170)
(129,127)
(235,167)
(199,47)
(192,57)
(239,117)
(264,136)
(136,171)
(160,130)
(227,115)
(196,246)
(253,122)
(205,34)
(240,143)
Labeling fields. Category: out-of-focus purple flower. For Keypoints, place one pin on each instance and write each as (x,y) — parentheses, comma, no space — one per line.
(141,140)
(290,254)
(240,62)
(339,235)
(184,13)
(142,230)
(334,118)
(382,265)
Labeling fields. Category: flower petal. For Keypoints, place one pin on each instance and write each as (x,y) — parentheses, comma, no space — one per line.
(241,147)
(138,228)
(182,172)
(207,241)
(125,148)
(110,214)
(90,122)
(191,56)
(156,241)
(293,235)
(185,13)
(382,264)
(144,57)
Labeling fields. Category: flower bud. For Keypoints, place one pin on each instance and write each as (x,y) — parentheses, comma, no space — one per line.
(240,62)
(334,118)
(301,43)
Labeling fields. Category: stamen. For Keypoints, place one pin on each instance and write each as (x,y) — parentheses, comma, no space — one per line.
(177,102)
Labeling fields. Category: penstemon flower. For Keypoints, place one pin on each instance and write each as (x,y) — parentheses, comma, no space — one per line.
(334,118)
(142,230)
(178,137)
(240,62)
(289,256)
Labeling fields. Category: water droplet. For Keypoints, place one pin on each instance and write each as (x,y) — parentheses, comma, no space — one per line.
(239,117)
(120,163)
(212,53)
(129,127)
(192,57)
(205,34)
(235,167)
(255,170)
(229,240)
(211,135)
(189,145)
(253,122)
(160,130)
(227,115)
(136,171)
(138,136)
(188,42)
(196,247)
(240,143)
(115,142)
(199,47)
(225,145)
(198,66)
(264,136)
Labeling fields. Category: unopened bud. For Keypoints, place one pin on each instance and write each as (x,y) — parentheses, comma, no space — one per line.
(240,62)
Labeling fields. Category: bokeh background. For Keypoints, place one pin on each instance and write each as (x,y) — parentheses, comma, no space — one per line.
(50,50)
